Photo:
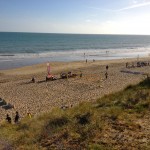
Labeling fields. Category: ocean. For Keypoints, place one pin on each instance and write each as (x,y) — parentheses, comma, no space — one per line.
(21,49)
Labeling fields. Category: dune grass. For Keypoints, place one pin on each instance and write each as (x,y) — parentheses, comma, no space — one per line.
(101,125)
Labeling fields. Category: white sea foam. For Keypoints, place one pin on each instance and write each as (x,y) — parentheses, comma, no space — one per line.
(80,54)
(5,60)
(37,48)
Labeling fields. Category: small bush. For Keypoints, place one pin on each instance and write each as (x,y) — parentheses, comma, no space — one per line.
(145,83)
(129,87)
(57,122)
(5,145)
(98,147)
(83,119)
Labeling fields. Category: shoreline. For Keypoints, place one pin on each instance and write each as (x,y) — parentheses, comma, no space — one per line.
(43,64)
(22,62)
(42,96)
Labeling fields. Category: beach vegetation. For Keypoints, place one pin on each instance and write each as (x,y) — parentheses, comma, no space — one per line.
(101,125)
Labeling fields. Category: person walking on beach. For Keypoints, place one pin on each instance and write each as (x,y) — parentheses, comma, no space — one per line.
(106,67)
(17,117)
(8,118)
(106,75)
(86,60)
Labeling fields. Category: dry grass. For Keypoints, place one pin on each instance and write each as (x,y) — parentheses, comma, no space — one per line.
(116,121)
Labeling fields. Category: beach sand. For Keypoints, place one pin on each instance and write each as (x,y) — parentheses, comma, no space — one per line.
(43,96)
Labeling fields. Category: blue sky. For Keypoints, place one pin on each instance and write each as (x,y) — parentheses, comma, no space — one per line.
(76,16)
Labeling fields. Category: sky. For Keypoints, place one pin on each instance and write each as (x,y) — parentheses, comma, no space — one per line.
(76,16)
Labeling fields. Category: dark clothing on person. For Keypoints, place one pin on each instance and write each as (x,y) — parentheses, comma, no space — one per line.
(127,65)
(106,75)
(8,118)
(33,80)
(107,67)
(17,117)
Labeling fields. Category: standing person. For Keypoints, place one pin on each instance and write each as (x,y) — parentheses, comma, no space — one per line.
(106,67)
(86,60)
(8,118)
(127,64)
(106,75)
(17,117)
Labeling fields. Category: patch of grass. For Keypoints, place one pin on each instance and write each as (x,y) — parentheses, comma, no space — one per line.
(57,122)
(145,83)
(83,119)
(98,147)
(91,126)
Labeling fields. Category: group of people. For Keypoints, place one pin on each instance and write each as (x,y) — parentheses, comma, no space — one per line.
(16,119)
(87,60)
(138,64)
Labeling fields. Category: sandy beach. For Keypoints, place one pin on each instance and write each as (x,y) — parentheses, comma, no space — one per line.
(42,96)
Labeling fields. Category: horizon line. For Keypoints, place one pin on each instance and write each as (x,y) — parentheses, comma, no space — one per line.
(73,33)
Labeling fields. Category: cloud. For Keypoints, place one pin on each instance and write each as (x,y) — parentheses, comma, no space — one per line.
(97,8)
(135,1)
(136,5)
(88,20)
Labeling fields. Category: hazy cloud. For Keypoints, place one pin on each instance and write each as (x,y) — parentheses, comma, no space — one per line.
(136,5)
(135,1)
(88,20)
(97,8)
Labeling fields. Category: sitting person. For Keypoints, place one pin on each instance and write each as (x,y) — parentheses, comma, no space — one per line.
(63,75)
(50,77)
(69,74)
(33,80)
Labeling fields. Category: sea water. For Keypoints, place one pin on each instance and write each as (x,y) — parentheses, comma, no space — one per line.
(20,49)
